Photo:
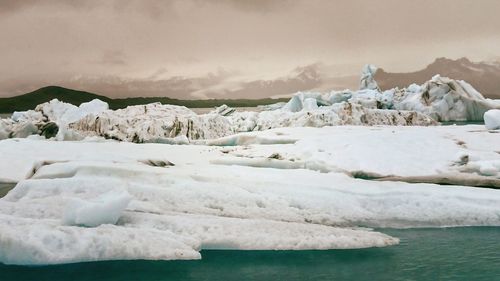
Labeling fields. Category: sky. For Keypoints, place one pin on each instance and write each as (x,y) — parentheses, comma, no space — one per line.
(231,48)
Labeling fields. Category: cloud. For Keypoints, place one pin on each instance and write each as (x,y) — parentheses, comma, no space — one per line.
(265,6)
(13,6)
(158,73)
(113,57)
(261,40)
(219,84)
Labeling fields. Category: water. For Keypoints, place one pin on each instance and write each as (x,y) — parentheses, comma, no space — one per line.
(424,254)
(461,123)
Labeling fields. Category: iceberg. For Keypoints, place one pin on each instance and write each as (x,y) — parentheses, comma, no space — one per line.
(106,209)
(142,123)
(439,99)
(492,119)
(367,82)
(162,123)
(50,119)
(446,99)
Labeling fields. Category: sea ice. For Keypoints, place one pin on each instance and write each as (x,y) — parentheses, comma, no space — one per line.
(286,188)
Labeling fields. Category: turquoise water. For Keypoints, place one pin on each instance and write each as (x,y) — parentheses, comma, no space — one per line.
(460,123)
(424,254)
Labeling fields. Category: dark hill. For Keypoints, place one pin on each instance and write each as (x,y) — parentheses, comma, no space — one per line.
(45,94)
(32,99)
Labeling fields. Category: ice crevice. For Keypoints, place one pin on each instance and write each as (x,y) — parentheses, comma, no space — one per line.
(463,179)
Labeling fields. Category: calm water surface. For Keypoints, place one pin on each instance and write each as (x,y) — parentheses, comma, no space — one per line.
(424,254)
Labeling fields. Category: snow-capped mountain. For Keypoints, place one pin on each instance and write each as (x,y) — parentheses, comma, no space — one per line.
(484,76)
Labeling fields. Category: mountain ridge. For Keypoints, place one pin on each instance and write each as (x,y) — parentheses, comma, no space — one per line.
(484,77)
(32,99)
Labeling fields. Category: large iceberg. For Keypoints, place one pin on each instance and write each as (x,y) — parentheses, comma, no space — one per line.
(167,123)
(49,119)
(161,122)
(439,99)
(152,122)
(445,99)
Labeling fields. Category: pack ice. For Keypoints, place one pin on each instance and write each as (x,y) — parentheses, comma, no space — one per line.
(439,99)
(282,189)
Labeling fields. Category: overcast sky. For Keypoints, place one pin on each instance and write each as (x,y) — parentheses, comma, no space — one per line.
(211,48)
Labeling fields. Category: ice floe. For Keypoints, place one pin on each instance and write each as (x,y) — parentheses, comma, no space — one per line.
(492,119)
(285,188)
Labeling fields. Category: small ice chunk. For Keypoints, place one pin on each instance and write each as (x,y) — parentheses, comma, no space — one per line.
(367,81)
(492,119)
(223,110)
(105,209)
(414,88)
(310,104)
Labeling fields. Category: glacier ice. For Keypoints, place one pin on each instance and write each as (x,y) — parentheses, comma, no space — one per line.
(367,81)
(492,119)
(446,100)
(106,209)
(439,99)
(161,123)
(54,113)
(284,188)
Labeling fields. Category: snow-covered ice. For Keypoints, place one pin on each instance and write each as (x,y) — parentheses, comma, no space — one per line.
(492,119)
(106,209)
(285,188)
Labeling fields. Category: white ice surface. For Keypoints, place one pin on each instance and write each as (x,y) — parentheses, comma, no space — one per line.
(293,193)
(105,209)
(383,150)
(492,119)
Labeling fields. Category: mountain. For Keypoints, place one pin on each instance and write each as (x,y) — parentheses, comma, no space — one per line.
(32,99)
(45,94)
(485,77)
